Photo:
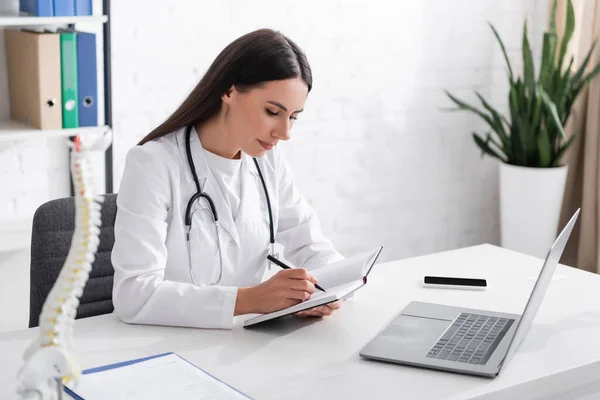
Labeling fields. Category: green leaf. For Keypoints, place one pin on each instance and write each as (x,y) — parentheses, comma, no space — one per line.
(568,70)
(553,19)
(464,106)
(489,139)
(579,74)
(485,147)
(589,77)
(537,111)
(551,108)
(562,94)
(510,72)
(568,33)
(544,148)
(562,150)
(519,133)
(518,146)
(522,118)
(528,67)
(548,54)
(494,121)
(498,119)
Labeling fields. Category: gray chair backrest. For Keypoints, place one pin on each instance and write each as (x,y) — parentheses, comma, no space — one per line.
(52,232)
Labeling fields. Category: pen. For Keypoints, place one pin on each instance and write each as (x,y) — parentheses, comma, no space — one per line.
(284,266)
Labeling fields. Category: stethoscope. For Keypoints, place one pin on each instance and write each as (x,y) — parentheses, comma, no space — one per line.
(200,194)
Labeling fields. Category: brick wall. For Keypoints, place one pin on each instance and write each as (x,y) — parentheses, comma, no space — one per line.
(373,152)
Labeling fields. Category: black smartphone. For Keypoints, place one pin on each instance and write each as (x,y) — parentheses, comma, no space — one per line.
(447,282)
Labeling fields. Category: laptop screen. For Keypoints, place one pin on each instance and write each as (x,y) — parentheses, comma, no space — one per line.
(541,285)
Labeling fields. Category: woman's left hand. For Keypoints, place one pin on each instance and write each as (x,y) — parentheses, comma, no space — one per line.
(321,311)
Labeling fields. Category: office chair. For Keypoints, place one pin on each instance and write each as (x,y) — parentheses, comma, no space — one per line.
(52,231)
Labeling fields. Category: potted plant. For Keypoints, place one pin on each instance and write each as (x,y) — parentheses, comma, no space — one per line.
(531,141)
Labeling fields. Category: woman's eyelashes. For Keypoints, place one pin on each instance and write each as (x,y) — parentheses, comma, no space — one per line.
(273,114)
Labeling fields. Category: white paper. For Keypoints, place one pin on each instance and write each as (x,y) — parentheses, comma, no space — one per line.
(338,292)
(344,271)
(338,279)
(166,377)
(316,299)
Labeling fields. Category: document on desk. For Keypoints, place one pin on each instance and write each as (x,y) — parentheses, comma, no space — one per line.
(166,376)
(339,279)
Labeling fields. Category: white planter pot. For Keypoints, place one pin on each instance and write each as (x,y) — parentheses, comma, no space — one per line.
(530,204)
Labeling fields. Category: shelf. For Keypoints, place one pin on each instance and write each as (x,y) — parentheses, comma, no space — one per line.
(11,130)
(25,20)
(15,234)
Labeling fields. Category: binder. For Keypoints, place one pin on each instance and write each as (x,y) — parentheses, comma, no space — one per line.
(39,8)
(24,6)
(68,74)
(83,7)
(64,8)
(87,79)
(34,78)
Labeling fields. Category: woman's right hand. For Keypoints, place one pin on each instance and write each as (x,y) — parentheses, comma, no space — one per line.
(286,288)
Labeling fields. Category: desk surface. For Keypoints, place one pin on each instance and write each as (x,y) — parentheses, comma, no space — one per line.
(298,359)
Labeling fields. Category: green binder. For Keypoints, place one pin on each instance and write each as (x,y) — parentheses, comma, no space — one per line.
(68,74)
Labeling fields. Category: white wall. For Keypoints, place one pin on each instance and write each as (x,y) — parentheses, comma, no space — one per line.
(373,152)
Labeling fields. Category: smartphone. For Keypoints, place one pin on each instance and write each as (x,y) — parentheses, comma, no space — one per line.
(446,282)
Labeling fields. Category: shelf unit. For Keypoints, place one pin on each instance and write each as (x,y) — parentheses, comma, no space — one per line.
(12,130)
(16,233)
(22,20)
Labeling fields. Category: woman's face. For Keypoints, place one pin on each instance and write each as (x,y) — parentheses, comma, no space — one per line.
(259,118)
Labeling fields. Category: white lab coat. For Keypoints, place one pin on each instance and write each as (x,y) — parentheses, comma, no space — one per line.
(152,283)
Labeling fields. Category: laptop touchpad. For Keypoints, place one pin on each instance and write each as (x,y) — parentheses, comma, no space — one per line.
(409,329)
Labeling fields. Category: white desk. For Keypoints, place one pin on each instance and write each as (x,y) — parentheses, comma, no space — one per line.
(301,359)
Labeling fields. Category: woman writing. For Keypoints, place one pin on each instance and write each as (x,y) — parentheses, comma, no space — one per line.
(205,195)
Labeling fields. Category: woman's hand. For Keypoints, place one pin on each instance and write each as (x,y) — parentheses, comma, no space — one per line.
(286,288)
(321,311)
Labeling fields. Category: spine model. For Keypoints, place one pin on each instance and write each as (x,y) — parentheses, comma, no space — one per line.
(49,360)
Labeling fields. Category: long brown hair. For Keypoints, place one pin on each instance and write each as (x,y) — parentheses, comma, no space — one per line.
(252,59)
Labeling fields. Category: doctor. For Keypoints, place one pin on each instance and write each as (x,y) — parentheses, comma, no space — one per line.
(204,196)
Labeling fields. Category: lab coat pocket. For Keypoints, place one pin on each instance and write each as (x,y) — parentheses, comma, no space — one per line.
(254,228)
(203,247)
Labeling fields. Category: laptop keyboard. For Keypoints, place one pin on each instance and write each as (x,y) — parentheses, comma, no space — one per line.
(471,338)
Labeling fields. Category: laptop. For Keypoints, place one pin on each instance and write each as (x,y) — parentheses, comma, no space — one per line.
(463,340)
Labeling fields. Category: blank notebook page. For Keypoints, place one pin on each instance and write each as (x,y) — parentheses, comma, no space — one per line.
(167,377)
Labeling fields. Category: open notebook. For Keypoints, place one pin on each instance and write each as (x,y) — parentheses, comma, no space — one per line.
(339,279)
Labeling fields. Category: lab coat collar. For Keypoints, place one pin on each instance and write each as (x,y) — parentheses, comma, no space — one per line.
(200,159)
(250,164)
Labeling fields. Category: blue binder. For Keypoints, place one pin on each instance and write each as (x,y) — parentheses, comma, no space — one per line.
(39,8)
(83,7)
(64,8)
(87,79)
(24,6)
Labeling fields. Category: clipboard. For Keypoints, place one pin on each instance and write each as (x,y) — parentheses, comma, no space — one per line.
(72,391)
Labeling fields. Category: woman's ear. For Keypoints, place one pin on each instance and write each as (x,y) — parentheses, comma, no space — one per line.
(229,96)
